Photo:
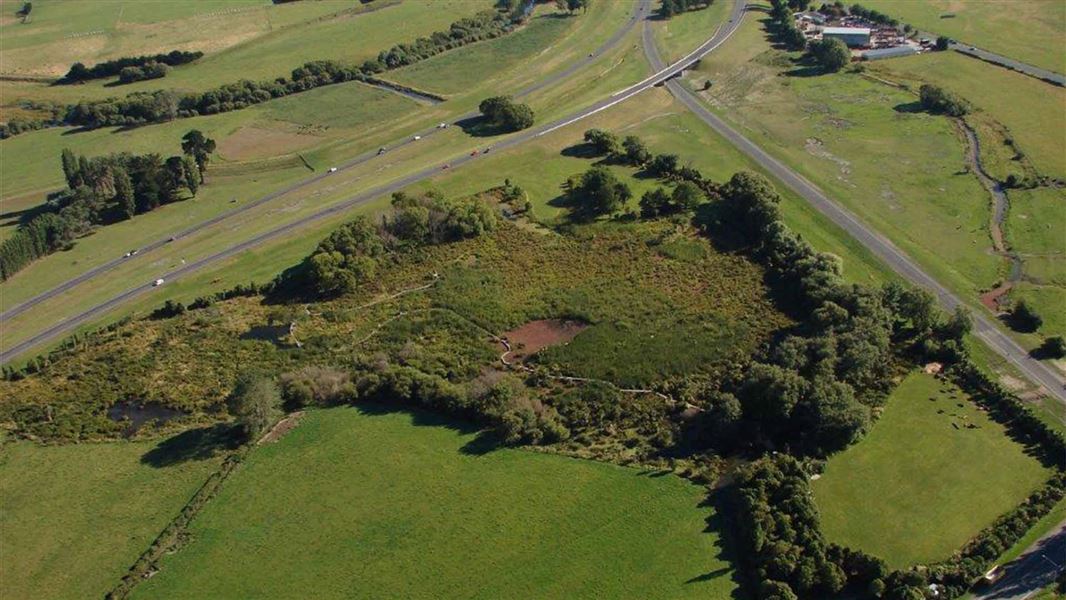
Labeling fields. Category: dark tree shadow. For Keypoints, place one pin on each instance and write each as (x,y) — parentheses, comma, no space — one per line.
(806,71)
(21,217)
(195,444)
(484,440)
(480,126)
(581,150)
(720,503)
(266,333)
(908,107)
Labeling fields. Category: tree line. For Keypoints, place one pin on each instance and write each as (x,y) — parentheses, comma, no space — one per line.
(79,73)
(141,108)
(105,189)
(669,8)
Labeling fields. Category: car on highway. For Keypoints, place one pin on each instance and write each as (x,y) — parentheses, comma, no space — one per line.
(416,138)
(157,282)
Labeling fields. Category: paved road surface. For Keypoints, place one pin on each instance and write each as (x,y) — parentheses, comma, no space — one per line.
(1009,63)
(657,78)
(879,245)
(641,9)
(1032,571)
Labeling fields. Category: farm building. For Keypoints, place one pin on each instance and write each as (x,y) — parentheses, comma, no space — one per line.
(893,52)
(854,37)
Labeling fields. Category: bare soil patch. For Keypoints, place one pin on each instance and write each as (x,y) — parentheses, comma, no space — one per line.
(992,298)
(535,335)
(250,143)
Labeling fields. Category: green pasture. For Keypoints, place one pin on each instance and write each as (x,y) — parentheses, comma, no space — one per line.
(1031,110)
(932,472)
(75,518)
(366,503)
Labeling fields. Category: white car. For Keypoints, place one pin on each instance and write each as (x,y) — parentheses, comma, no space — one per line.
(442,126)
(157,282)
(417,137)
(333,169)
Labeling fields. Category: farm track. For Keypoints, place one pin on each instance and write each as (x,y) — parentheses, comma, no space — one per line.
(641,9)
(878,245)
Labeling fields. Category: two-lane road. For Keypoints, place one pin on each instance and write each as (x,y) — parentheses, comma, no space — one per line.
(876,243)
(661,75)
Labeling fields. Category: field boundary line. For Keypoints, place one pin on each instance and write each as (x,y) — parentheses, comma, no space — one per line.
(175,534)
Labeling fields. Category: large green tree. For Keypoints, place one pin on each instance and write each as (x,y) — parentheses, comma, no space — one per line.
(830,54)
(600,192)
(256,403)
(196,144)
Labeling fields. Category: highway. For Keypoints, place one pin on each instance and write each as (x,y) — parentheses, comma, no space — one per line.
(877,244)
(63,327)
(639,11)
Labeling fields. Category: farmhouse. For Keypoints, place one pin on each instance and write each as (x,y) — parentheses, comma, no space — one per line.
(854,37)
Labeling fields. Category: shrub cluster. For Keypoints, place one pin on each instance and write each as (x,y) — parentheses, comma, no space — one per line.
(937,100)
(152,70)
(504,405)
(503,113)
(349,257)
(79,72)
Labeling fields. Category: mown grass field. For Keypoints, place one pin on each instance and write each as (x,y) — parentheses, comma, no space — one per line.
(76,517)
(359,503)
(1020,32)
(922,482)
